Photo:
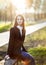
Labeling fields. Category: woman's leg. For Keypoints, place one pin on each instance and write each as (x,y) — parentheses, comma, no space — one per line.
(27,59)
(9,62)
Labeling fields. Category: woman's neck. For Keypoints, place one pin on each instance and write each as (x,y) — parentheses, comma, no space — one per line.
(20,27)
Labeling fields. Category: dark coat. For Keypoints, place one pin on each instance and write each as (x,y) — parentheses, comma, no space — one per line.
(15,43)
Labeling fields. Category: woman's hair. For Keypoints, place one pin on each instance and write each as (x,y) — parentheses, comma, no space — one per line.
(16,24)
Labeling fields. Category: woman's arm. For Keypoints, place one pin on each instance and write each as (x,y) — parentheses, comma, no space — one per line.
(11,40)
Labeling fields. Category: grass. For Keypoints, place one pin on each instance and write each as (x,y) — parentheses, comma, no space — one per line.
(37,38)
(4,24)
(35,51)
(38,35)
(4,28)
(39,54)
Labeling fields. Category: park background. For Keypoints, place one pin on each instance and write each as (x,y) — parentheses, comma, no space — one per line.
(34,12)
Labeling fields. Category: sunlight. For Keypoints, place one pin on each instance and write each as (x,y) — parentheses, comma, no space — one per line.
(20,5)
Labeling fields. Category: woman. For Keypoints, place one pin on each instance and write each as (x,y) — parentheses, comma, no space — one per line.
(16,50)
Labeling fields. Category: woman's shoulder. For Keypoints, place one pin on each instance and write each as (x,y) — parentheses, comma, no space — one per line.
(13,29)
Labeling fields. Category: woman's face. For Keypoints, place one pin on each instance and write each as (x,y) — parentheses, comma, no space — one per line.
(19,20)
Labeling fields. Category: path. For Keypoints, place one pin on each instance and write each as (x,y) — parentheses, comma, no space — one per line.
(4,37)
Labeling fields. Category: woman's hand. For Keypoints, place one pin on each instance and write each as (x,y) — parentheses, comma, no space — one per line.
(7,57)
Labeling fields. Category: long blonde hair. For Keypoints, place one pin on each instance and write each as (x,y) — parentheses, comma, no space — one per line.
(16,24)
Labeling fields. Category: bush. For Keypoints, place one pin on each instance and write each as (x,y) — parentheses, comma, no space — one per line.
(39,54)
(5,28)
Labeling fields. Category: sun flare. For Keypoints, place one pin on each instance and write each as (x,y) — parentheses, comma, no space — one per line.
(19,4)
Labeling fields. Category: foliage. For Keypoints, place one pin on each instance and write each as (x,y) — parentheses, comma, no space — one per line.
(5,28)
(39,35)
(39,54)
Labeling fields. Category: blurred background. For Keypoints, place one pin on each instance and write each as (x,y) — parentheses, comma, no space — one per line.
(34,12)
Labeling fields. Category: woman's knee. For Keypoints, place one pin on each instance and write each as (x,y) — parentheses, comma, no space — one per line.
(30,61)
(9,62)
(26,62)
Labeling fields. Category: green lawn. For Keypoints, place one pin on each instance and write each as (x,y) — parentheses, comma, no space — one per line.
(2,23)
(37,38)
(39,54)
(39,35)
(5,26)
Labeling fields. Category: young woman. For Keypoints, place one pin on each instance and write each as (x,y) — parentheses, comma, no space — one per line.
(16,50)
